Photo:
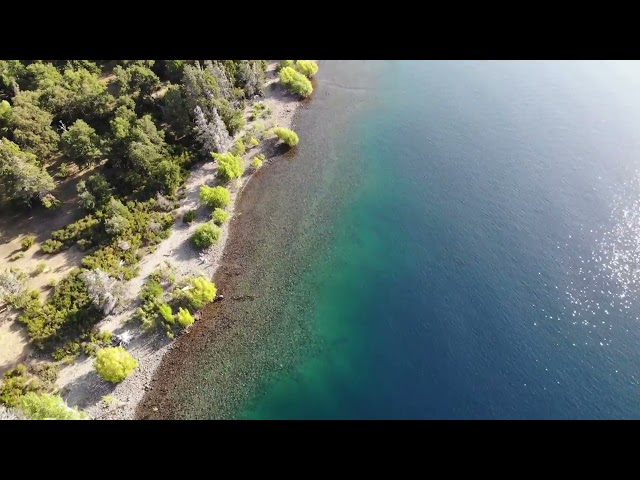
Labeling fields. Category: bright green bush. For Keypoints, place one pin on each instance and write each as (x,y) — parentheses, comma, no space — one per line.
(230,166)
(296,82)
(238,149)
(287,136)
(202,291)
(114,364)
(45,406)
(189,216)
(215,197)
(254,142)
(206,235)
(166,313)
(219,216)
(306,67)
(184,318)
(257,163)
(27,242)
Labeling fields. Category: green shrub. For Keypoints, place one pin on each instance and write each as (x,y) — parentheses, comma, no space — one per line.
(49,201)
(219,216)
(306,67)
(69,308)
(88,343)
(285,63)
(64,171)
(202,291)
(47,372)
(52,246)
(28,241)
(23,299)
(17,382)
(229,166)
(254,142)
(287,136)
(206,235)
(109,399)
(295,82)
(151,290)
(53,282)
(166,313)
(189,216)
(184,318)
(84,244)
(215,197)
(40,267)
(238,149)
(164,274)
(260,110)
(44,406)
(87,227)
(257,163)
(114,364)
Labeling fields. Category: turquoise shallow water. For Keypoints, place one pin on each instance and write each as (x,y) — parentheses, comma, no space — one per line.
(431,251)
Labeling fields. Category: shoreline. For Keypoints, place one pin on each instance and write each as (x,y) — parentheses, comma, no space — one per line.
(79,382)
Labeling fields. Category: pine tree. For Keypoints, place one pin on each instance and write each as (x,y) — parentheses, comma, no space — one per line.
(211,134)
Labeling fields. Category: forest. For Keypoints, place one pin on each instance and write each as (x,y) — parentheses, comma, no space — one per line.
(129,132)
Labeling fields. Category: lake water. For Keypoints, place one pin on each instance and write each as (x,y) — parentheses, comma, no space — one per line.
(451,240)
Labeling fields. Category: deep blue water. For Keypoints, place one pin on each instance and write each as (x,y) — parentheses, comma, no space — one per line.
(453,205)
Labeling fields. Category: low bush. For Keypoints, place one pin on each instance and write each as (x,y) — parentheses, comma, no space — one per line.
(52,246)
(189,216)
(69,308)
(230,166)
(64,171)
(295,82)
(258,161)
(287,136)
(40,267)
(238,149)
(219,216)
(215,197)
(17,383)
(47,372)
(285,63)
(166,313)
(206,235)
(114,364)
(45,406)
(28,242)
(202,291)
(151,290)
(184,318)
(87,227)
